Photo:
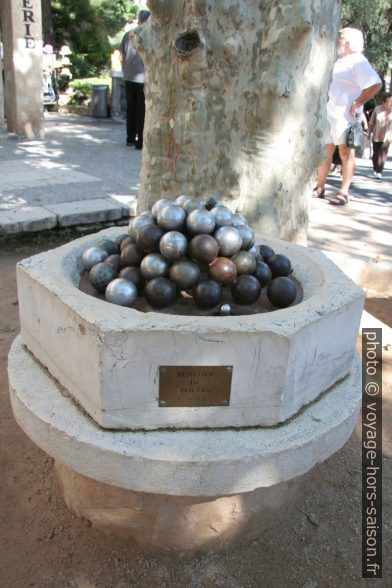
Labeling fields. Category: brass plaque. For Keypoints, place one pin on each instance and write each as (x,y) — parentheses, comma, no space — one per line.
(192,385)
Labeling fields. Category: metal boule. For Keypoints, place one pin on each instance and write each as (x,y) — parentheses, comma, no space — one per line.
(223,216)
(92,256)
(247,236)
(246,289)
(159,204)
(171,217)
(229,241)
(110,246)
(223,270)
(173,245)
(200,222)
(203,248)
(184,274)
(121,292)
(207,294)
(133,274)
(137,223)
(238,220)
(282,291)
(100,275)
(245,262)
(160,292)
(154,265)
(192,203)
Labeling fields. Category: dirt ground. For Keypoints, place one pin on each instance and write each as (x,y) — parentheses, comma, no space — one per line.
(43,544)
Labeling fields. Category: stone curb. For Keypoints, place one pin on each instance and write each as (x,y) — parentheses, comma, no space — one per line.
(26,219)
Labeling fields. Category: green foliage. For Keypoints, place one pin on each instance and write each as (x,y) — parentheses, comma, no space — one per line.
(113,15)
(81,89)
(132,11)
(81,66)
(78,24)
(84,84)
(374,18)
(92,28)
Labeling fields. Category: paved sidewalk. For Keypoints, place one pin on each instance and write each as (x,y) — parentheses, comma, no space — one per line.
(83,173)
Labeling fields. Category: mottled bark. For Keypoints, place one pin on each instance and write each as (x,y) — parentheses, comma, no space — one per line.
(235,100)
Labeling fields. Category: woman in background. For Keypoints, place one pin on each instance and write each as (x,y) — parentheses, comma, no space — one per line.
(380,130)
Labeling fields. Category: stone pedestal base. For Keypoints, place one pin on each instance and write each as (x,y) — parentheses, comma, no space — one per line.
(178,490)
(159,522)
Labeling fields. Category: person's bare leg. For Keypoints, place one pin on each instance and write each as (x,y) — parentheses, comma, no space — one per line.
(323,169)
(347,155)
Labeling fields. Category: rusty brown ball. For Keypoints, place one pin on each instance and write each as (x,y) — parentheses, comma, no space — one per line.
(223,270)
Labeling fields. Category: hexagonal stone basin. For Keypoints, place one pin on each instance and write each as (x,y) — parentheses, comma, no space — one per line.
(109,357)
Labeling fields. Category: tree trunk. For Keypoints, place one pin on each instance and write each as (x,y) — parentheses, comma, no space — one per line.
(235,103)
(47,22)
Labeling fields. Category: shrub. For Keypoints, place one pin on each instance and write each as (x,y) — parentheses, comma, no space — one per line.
(81,89)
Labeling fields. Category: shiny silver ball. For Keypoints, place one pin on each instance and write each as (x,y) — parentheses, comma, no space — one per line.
(200,222)
(239,220)
(171,217)
(154,265)
(92,256)
(159,204)
(245,262)
(223,216)
(229,241)
(173,245)
(181,199)
(184,274)
(225,310)
(255,251)
(192,203)
(247,235)
(137,223)
(122,292)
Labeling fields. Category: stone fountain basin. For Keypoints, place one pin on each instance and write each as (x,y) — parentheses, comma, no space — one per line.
(108,357)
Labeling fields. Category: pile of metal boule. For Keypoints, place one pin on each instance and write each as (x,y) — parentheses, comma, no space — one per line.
(193,246)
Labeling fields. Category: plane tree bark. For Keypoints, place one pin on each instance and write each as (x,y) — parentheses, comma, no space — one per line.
(235,104)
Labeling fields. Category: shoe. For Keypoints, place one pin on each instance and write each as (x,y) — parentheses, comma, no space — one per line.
(374,174)
(318,192)
(340,199)
(138,146)
(379,176)
(130,142)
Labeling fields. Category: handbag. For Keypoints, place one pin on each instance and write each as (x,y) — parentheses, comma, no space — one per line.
(355,135)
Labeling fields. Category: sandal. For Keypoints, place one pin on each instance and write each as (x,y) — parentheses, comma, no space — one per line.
(318,192)
(340,199)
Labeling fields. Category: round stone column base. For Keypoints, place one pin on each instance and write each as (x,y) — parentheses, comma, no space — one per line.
(182,524)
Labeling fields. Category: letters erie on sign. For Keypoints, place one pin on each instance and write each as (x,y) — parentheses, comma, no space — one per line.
(28,20)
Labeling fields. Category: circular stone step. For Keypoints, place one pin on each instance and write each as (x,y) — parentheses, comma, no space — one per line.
(213,462)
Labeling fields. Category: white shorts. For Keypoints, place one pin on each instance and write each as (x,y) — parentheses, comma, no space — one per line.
(337,130)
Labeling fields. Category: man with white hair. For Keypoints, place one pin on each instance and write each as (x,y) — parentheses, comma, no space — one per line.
(354,82)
